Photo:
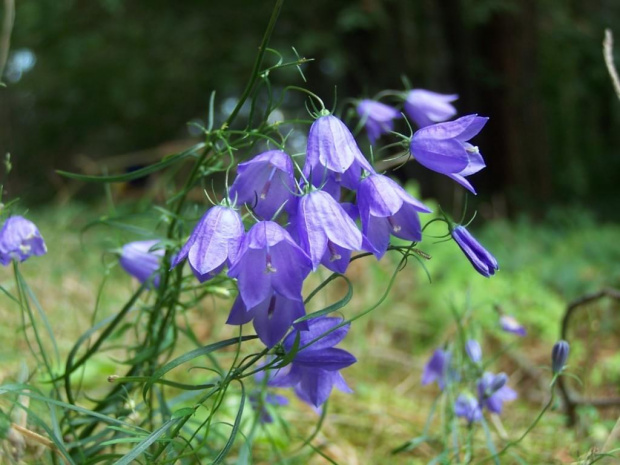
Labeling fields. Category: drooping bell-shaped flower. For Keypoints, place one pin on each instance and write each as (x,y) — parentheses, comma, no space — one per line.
(378,118)
(493,392)
(325,231)
(333,154)
(269,261)
(272,317)
(265,183)
(467,406)
(480,258)
(426,107)
(315,370)
(140,261)
(510,324)
(444,148)
(214,243)
(20,239)
(436,369)
(386,208)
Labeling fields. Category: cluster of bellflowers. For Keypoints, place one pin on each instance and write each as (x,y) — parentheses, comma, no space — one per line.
(460,369)
(302,218)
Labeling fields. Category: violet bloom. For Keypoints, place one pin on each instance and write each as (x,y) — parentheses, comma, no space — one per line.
(378,118)
(386,208)
(474,351)
(214,243)
(436,369)
(325,231)
(467,406)
(272,317)
(314,370)
(265,182)
(426,107)
(333,154)
(269,261)
(493,392)
(444,148)
(480,258)
(140,261)
(20,239)
(509,324)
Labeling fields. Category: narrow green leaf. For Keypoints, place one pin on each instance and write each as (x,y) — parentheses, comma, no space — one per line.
(167,161)
(146,443)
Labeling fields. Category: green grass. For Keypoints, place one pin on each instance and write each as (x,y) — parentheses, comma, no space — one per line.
(543,267)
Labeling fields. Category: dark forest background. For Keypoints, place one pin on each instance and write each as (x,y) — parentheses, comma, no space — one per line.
(97,79)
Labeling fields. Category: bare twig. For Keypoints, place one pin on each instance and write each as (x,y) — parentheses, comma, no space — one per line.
(569,399)
(608,49)
(5,37)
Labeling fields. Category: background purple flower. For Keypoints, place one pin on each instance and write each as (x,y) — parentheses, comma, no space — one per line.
(214,243)
(386,208)
(510,324)
(140,262)
(269,261)
(493,392)
(480,258)
(444,148)
(260,403)
(436,369)
(426,107)
(378,118)
(315,370)
(20,239)
(474,351)
(467,406)
(265,183)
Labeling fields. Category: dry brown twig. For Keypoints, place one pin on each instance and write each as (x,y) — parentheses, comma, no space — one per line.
(608,54)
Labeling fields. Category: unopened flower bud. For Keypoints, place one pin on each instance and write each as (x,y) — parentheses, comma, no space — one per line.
(559,354)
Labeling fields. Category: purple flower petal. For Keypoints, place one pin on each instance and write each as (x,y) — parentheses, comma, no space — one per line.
(19,240)
(139,261)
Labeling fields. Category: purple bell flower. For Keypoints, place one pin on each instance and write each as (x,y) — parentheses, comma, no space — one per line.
(436,369)
(426,107)
(333,154)
(474,351)
(509,324)
(444,148)
(378,118)
(140,261)
(214,243)
(325,231)
(272,317)
(493,392)
(386,208)
(481,259)
(269,261)
(314,370)
(265,182)
(19,240)
(467,406)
